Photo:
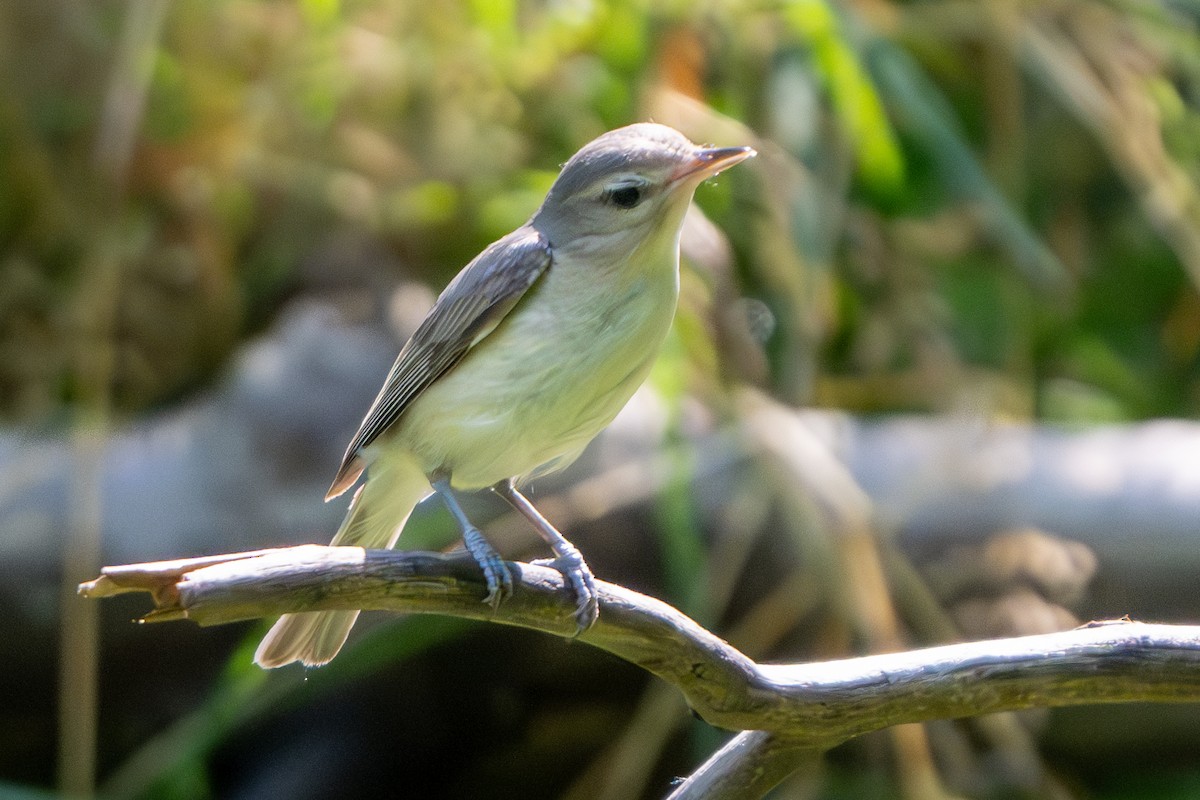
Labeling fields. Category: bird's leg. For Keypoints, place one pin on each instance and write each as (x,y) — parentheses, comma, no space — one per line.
(495,571)
(567,558)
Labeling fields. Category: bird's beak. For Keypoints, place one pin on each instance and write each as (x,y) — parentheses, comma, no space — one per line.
(708,162)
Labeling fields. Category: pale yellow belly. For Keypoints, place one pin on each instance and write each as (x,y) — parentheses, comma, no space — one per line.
(530,396)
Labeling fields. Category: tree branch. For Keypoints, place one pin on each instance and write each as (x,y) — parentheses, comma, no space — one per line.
(815,705)
(749,765)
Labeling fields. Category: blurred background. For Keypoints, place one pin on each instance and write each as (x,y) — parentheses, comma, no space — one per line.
(932,379)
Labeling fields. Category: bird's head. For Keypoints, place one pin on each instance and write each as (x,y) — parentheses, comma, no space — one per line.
(627,187)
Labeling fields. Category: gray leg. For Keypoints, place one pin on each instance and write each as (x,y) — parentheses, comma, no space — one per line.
(567,558)
(495,571)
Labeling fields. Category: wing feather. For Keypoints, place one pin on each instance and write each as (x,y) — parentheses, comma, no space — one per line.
(470,308)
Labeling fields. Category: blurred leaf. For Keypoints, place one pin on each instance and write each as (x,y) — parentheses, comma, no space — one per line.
(923,114)
(320,13)
(859,109)
(428,203)
(991,317)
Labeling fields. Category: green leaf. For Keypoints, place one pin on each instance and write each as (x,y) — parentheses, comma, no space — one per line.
(880,162)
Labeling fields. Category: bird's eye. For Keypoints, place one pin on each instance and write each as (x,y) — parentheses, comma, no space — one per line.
(625,196)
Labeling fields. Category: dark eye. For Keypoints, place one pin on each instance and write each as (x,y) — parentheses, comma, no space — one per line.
(625,196)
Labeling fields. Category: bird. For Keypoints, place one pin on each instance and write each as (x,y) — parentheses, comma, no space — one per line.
(528,353)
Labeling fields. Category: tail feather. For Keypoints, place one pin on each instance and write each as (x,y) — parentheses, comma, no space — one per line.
(313,638)
(375,519)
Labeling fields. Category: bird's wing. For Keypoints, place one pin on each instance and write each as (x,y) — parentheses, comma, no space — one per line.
(468,310)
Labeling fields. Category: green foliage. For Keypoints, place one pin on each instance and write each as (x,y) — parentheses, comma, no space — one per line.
(855,100)
(436,127)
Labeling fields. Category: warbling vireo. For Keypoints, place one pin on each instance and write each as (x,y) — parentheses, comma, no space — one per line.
(528,354)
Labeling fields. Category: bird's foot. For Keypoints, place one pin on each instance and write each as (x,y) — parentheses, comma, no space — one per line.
(495,570)
(578,575)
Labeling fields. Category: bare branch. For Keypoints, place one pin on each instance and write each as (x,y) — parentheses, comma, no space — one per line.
(749,765)
(815,705)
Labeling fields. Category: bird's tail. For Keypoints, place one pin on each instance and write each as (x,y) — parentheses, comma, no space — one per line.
(376,516)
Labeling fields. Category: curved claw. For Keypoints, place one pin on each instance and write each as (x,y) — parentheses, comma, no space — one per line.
(495,570)
(578,575)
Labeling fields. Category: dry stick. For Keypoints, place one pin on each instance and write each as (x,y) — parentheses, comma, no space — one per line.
(816,706)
